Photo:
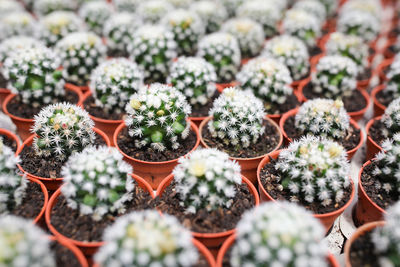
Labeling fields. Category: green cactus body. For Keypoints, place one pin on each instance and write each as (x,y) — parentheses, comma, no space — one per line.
(359,23)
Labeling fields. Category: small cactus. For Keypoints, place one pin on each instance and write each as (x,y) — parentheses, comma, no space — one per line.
(10,45)
(212,13)
(359,23)
(206,179)
(180,3)
(373,7)
(95,14)
(16,23)
(314,7)
(126,5)
(153,11)
(391,119)
(10,6)
(147,239)
(45,7)
(62,129)
(231,6)
(393,76)
(157,117)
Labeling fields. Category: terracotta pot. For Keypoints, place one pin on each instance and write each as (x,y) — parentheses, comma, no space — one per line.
(3,94)
(359,232)
(366,210)
(277,117)
(212,241)
(153,172)
(88,248)
(10,135)
(24,125)
(39,219)
(379,108)
(315,59)
(77,253)
(222,86)
(244,61)
(51,184)
(380,69)
(295,84)
(372,147)
(327,219)
(107,126)
(248,165)
(82,89)
(288,140)
(229,243)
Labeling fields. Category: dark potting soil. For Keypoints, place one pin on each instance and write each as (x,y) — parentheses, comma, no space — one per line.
(32,202)
(364,75)
(127,145)
(350,141)
(384,97)
(203,221)
(64,257)
(314,51)
(265,144)
(116,53)
(3,81)
(202,110)
(9,142)
(352,103)
(46,167)
(99,112)
(376,132)
(226,262)
(19,109)
(290,103)
(362,252)
(269,179)
(71,224)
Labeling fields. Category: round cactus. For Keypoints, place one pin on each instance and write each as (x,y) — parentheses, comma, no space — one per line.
(314,170)
(44,7)
(290,51)
(16,23)
(393,76)
(335,76)
(223,52)
(113,82)
(157,117)
(314,7)
(10,6)
(237,118)
(126,5)
(373,7)
(212,13)
(279,234)
(153,11)
(95,14)
(80,52)
(23,244)
(147,239)
(206,179)
(249,34)
(359,23)
(62,129)
(10,45)
(391,119)
(195,78)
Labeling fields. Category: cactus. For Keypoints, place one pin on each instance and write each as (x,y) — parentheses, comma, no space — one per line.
(268,79)
(16,23)
(290,51)
(97,182)
(249,34)
(231,6)
(279,234)
(314,170)
(95,14)
(157,117)
(80,52)
(62,129)
(180,3)
(335,76)
(153,11)
(393,76)
(359,23)
(373,7)
(147,239)
(23,244)
(212,13)
(126,5)
(391,119)
(32,73)
(44,7)
(12,44)
(206,179)
(237,118)
(195,78)
(314,7)
(113,82)
(223,52)
(10,6)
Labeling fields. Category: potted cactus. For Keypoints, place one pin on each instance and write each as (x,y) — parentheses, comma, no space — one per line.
(45,7)
(156,131)
(207,184)
(359,23)
(98,186)
(212,13)
(154,10)
(313,172)
(313,7)
(164,242)
(16,23)
(95,14)
(373,7)
(238,126)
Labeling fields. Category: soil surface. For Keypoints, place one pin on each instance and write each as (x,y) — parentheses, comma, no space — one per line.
(64,257)
(314,51)
(376,133)
(290,103)
(365,75)
(99,112)
(202,110)
(3,81)
(362,252)
(384,97)
(32,203)
(11,143)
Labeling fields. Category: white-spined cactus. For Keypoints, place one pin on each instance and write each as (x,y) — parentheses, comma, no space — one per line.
(290,51)
(195,78)
(268,79)
(12,44)
(80,53)
(16,23)
(33,74)
(335,76)
(61,130)
(237,118)
(314,170)
(126,5)
(370,6)
(24,244)
(147,239)
(249,34)
(391,119)
(393,76)
(223,52)
(231,6)
(212,13)
(95,14)
(153,48)
(97,182)
(10,6)
(180,3)
(113,82)
(44,7)
(359,23)
(206,179)
(153,11)
(279,234)
(157,117)
(314,7)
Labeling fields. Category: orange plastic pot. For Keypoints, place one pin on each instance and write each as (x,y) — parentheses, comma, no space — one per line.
(248,165)
(381,68)
(277,117)
(222,86)
(39,220)
(293,112)
(82,89)
(295,84)
(315,59)
(3,94)
(88,248)
(51,184)
(77,253)
(359,232)
(11,136)
(212,241)
(379,108)
(327,219)
(372,147)
(152,172)
(24,125)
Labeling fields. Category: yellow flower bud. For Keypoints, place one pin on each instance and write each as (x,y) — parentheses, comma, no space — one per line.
(197,168)
(335,151)
(160,112)
(135,104)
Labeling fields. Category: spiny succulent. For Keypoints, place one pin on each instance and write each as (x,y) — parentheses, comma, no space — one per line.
(359,23)
(10,6)
(95,14)
(314,7)
(113,82)
(195,78)
(393,76)
(231,6)
(279,234)
(44,7)
(16,23)
(180,3)
(153,11)
(212,13)
(12,44)
(391,119)
(146,238)
(126,5)
(157,117)
(62,129)
(373,7)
